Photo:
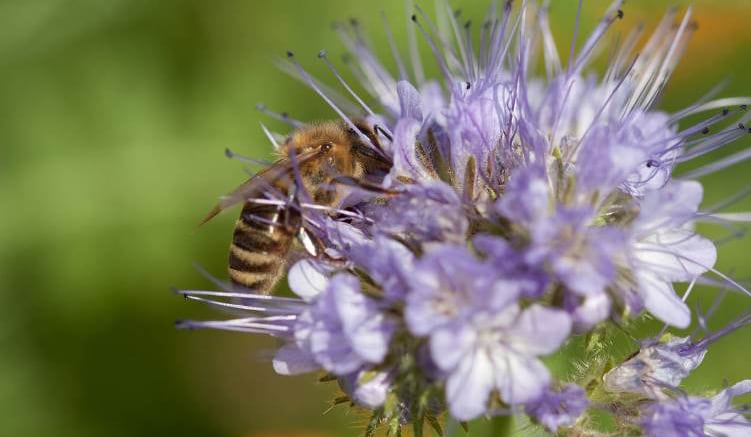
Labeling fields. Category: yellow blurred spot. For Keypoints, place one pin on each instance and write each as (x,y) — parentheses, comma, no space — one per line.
(722,28)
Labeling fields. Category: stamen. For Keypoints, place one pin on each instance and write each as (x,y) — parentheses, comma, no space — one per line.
(323,56)
(232,155)
(459,40)
(413,49)
(230,325)
(440,59)
(613,14)
(552,59)
(270,136)
(248,296)
(576,35)
(495,63)
(284,117)
(394,49)
(369,70)
(710,143)
(333,106)
(718,165)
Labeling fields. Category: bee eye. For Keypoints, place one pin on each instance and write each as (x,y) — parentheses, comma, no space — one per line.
(326,147)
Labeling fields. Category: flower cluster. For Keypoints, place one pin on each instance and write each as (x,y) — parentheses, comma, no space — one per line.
(521,211)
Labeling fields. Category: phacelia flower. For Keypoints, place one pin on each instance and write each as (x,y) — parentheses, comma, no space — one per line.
(521,209)
(559,408)
(695,416)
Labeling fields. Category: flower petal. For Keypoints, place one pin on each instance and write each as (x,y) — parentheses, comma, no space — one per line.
(519,378)
(450,344)
(291,360)
(306,279)
(540,330)
(468,387)
(660,300)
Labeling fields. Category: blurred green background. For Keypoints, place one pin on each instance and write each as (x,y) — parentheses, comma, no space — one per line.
(113,120)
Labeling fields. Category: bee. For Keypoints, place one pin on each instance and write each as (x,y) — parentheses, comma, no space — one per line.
(319,160)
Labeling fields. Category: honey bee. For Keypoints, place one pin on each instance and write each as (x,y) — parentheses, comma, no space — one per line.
(316,159)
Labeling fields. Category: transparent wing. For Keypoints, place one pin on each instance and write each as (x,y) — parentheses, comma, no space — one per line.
(256,185)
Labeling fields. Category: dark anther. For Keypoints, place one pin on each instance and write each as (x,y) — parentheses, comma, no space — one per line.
(284,115)
(705,130)
(741,126)
(620,14)
(290,54)
(744,107)
(322,53)
(457,13)
(749,130)
(468,24)
(354,22)
(725,111)
(468,85)
(228,153)
(414,18)
(652,163)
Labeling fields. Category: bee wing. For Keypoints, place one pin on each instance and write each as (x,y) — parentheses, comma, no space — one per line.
(256,185)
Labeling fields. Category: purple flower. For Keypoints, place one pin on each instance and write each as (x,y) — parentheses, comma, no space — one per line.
(582,257)
(343,330)
(448,285)
(665,249)
(656,366)
(367,388)
(554,409)
(497,351)
(388,262)
(694,416)
(424,213)
(564,241)
(519,208)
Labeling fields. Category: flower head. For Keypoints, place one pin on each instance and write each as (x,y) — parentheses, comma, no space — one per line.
(520,209)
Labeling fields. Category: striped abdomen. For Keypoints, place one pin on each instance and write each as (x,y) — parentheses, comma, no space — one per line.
(262,238)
